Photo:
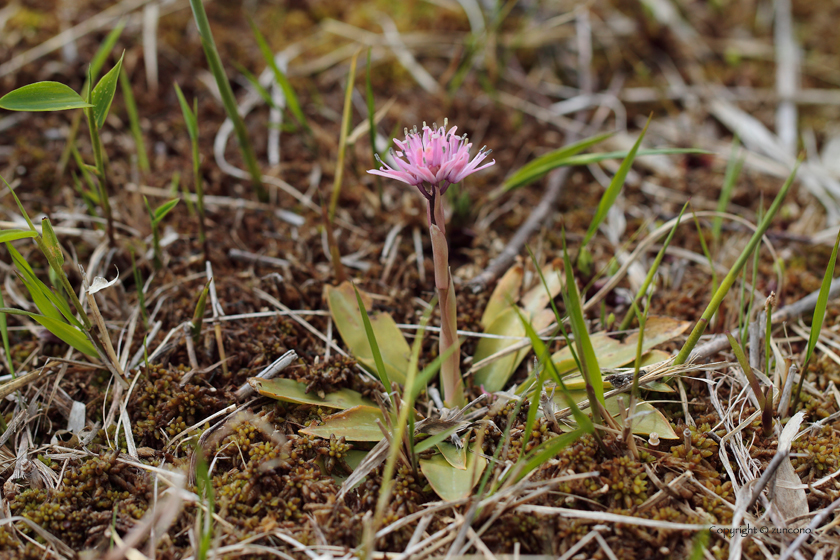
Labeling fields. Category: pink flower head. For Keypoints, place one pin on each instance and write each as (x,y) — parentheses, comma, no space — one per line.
(435,156)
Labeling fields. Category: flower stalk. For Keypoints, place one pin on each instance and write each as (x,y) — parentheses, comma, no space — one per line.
(432,160)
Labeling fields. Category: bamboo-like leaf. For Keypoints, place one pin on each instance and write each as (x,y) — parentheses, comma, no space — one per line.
(614,188)
(42,96)
(164,209)
(103,94)
(4,333)
(374,345)
(8,235)
(37,290)
(67,333)
(587,159)
(357,423)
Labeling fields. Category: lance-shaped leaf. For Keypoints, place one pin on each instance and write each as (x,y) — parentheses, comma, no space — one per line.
(614,353)
(47,302)
(293,391)
(344,309)
(162,210)
(495,375)
(42,96)
(505,294)
(647,420)
(103,94)
(613,189)
(15,234)
(354,424)
(67,333)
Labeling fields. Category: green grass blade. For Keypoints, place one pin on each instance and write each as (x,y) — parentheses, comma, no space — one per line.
(745,366)
(103,94)
(288,92)
(733,170)
(228,99)
(4,333)
(733,273)
(628,318)
(15,234)
(342,140)
(822,302)
(200,309)
(591,370)
(371,108)
(614,188)
(67,333)
(101,55)
(546,451)
(374,347)
(42,96)
(164,209)
(189,117)
(532,171)
(134,123)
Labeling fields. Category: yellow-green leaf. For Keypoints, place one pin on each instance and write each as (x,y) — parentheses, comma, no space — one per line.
(354,424)
(295,392)
(42,96)
(348,320)
(648,418)
(613,353)
(504,295)
(451,483)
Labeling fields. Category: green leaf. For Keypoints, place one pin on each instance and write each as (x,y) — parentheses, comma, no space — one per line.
(295,392)
(280,78)
(614,353)
(374,345)
(67,333)
(547,450)
(586,353)
(347,316)
(822,302)
(98,60)
(614,188)
(189,117)
(42,96)
(37,289)
(455,456)
(451,483)
(354,424)
(8,235)
(163,210)
(649,419)
(533,170)
(495,375)
(103,94)
(505,294)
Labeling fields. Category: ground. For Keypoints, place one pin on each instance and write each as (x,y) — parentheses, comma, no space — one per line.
(273,485)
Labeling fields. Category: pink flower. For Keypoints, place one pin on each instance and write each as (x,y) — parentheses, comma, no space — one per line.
(435,156)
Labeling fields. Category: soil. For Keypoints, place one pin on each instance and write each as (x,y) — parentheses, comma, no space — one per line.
(264,485)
